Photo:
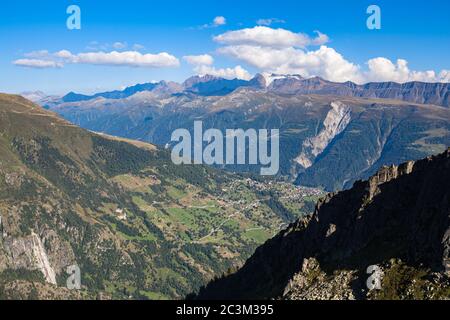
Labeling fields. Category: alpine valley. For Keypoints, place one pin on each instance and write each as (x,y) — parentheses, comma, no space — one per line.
(88,181)
(331,134)
(136,225)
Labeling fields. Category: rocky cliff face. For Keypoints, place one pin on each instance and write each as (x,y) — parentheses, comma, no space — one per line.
(29,253)
(398,221)
(335,122)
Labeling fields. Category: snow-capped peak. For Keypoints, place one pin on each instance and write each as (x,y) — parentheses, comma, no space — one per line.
(271,77)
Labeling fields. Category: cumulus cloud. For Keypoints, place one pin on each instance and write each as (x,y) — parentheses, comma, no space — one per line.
(324,62)
(203,65)
(64,54)
(382,69)
(269,37)
(204,59)
(320,39)
(37,63)
(227,73)
(128,58)
(114,58)
(219,21)
(269,21)
(266,49)
(281,51)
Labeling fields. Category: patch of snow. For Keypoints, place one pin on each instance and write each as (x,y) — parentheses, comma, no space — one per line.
(271,77)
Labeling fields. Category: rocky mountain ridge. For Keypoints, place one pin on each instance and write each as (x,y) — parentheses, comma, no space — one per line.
(207,85)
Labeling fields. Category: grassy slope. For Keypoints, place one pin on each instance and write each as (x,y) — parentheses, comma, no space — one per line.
(65,184)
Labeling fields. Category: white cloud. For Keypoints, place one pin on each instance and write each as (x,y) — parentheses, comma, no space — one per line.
(320,39)
(382,69)
(37,63)
(269,21)
(281,51)
(204,59)
(227,73)
(114,58)
(269,50)
(269,37)
(120,45)
(203,66)
(219,21)
(128,58)
(324,62)
(64,54)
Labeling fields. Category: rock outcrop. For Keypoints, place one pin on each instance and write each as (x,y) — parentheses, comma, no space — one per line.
(29,253)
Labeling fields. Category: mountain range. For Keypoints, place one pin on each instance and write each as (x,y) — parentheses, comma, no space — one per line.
(416,92)
(331,134)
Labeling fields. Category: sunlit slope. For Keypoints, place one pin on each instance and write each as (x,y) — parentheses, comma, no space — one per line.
(136,225)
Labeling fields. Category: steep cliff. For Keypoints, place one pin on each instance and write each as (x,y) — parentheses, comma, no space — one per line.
(335,122)
(398,221)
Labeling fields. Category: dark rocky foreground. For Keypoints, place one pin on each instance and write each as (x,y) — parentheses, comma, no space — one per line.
(398,220)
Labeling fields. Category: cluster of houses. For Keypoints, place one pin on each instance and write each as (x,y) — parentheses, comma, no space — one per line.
(283,188)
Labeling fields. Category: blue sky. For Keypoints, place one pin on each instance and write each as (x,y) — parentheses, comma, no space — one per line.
(416,31)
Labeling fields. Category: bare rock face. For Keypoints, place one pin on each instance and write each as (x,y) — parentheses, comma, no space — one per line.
(398,220)
(44,251)
(313,284)
(417,92)
(29,253)
(386,174)
(335,122)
